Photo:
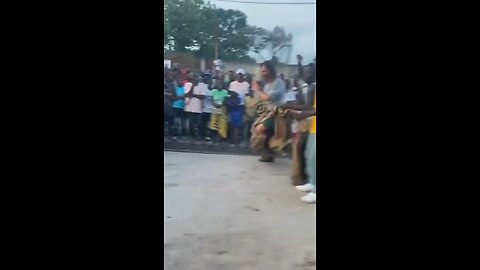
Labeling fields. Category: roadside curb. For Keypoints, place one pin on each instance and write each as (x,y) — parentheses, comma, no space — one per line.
(203,147)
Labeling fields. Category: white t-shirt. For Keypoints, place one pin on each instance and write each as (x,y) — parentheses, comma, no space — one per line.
(290,96)
(304,91)
(241,89)
(193,104)
(207,101)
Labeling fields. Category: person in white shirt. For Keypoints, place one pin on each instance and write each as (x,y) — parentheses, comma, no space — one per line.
(290,97)
(240,86)
(193,105)
(291,94)
(207,106)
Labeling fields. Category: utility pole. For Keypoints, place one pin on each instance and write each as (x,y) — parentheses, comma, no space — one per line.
(215,45)
(215,40)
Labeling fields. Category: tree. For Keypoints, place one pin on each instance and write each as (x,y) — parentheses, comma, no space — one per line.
(261,39)
(188,24)
(233,34)
(280,40)
(272,42)
(197,27)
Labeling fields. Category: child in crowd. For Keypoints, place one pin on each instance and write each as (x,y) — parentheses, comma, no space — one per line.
(219,117)
(235,115)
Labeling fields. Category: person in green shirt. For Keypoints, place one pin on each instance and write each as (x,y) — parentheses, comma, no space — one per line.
(219,117)
(219,94)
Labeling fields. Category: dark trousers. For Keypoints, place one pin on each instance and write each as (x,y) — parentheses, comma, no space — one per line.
(180,122)
(233,134)
(267,153)
(289,129)
(299,176)
(194,123)
(168,120)
(204,131)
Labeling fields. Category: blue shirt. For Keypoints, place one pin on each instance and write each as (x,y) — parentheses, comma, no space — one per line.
(179,103)
(276,91)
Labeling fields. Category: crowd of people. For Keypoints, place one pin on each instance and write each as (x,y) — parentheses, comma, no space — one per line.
(206,106)
(266,111)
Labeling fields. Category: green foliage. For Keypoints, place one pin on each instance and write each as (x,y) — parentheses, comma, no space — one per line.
(188,24)
(234,42)
(195,26)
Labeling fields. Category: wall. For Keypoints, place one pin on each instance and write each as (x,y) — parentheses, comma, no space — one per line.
(184,59)
(287,70)
(187,60)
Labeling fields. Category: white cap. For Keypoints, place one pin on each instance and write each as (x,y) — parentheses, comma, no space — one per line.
(241,70)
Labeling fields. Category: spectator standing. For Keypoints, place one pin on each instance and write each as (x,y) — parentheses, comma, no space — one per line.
(290,98)
(240,86)
(178,107)
(250,114)
(168,94)
(235,116)
(291,92)
(207,107)
(193,105)
(230,77)
(304,101)
(311,158)
(219,116)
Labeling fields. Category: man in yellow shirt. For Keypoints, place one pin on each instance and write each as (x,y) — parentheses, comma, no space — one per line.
(311,160)
(311,148)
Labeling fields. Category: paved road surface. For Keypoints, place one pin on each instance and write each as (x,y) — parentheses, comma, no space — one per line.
(225,212)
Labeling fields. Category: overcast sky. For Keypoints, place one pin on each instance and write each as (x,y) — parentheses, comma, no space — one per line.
(296,19)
